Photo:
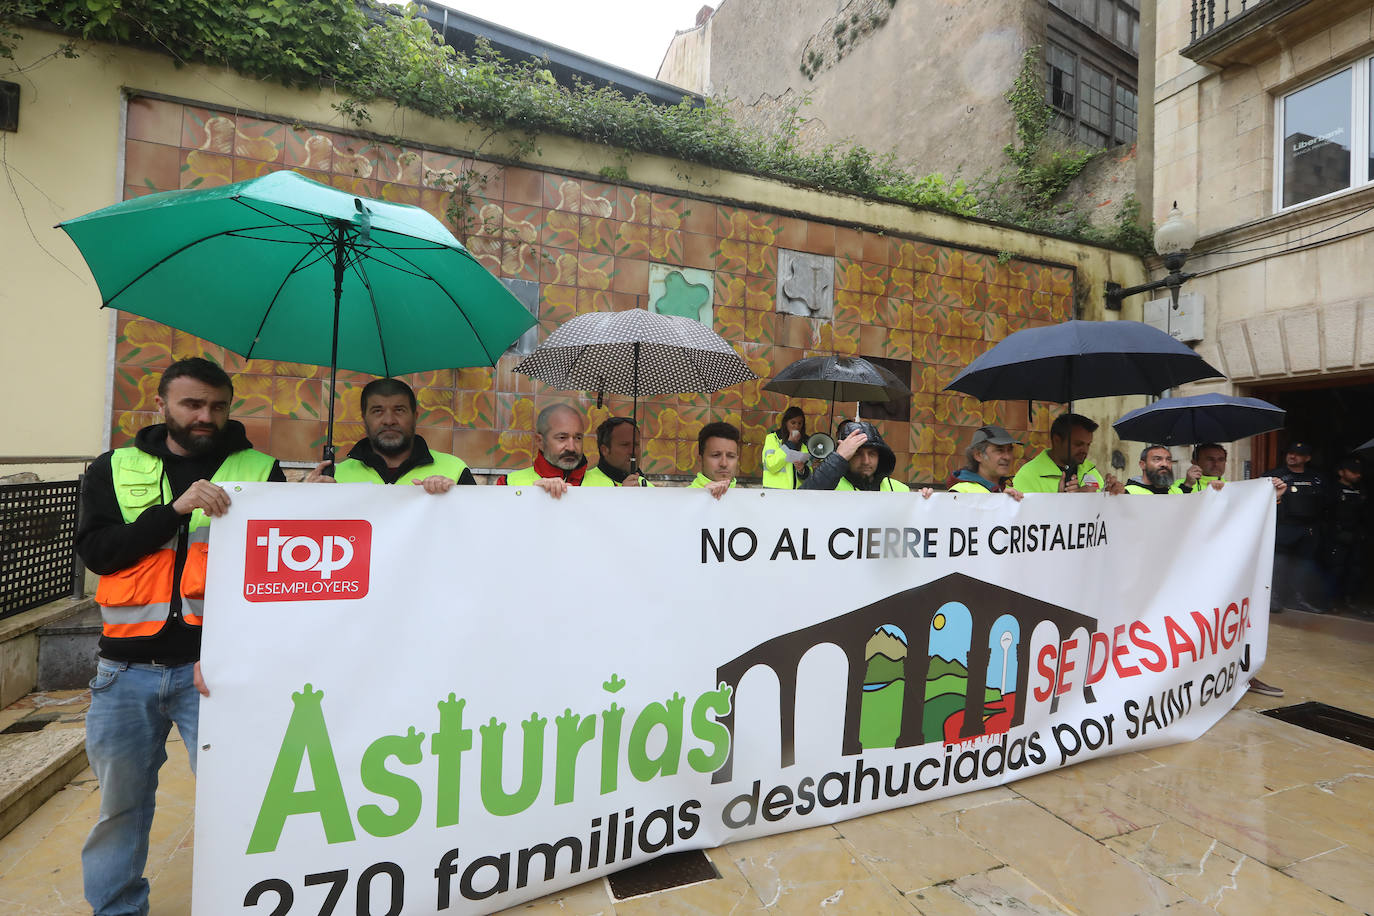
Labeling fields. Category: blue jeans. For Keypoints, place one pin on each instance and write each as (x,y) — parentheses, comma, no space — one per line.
(133,706)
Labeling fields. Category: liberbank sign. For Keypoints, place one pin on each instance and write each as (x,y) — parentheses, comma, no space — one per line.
(451,704)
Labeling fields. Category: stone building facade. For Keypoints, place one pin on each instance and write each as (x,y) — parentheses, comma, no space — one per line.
(924,79)
(1263,135)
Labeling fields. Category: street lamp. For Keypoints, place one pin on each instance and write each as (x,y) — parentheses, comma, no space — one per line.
(1174,241)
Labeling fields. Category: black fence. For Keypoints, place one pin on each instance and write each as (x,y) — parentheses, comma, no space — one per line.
(1205,17)
(37,544)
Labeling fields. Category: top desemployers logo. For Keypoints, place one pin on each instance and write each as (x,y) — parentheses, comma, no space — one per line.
(307,560)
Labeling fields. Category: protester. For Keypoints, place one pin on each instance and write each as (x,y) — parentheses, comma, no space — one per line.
(392,452)
(145,516)
(988,459)
(617,439)
(861,461)
(1156,472)
(1071,435)
(790,436)
(558,431)
(1207,469)
(718,449)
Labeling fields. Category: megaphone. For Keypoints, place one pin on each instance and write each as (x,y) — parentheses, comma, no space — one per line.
(820,445)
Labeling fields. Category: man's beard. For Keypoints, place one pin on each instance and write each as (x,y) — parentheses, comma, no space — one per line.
(1161,478)
(568,460)
(193,440)
(381,448)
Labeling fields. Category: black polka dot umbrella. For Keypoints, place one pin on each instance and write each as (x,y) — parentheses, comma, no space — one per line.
(636,353)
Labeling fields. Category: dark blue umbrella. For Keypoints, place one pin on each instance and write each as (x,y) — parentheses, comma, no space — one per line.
(1081,359)
(1199,418)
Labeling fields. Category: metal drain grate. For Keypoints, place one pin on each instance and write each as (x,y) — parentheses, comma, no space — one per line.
(675,869)
(1341,724)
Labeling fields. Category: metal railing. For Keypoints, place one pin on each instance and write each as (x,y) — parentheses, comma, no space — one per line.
(1204,20)
(38,561)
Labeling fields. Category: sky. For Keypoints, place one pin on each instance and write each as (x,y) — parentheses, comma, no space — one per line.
(632,34)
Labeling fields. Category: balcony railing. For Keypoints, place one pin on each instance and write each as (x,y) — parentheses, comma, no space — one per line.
(1224,31)
(1203,18)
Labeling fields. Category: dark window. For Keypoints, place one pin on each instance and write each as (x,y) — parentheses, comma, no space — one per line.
(1126,110)
(1091,103)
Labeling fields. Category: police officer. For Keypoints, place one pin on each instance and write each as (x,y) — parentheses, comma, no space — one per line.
(1347,531)
(1296,537)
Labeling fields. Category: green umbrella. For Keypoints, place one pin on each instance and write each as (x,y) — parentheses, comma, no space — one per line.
(285,268)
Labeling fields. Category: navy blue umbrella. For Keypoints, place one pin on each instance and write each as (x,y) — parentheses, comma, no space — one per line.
(1199,418)
(1081,359)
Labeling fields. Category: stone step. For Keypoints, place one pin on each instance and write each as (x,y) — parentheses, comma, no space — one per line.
(42,747)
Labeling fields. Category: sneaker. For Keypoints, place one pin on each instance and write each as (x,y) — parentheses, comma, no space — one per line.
(1268,690)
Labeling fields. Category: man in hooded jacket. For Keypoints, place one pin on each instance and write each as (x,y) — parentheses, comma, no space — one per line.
(861,461)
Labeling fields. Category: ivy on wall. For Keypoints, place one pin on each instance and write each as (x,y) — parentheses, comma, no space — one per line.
(367,51)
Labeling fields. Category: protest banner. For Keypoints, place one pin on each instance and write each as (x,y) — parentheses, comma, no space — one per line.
(451,704)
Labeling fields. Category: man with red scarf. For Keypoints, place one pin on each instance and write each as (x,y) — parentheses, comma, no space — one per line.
(560,462)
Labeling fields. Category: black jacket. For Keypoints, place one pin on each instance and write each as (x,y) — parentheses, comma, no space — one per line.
(834,468)
(106,544)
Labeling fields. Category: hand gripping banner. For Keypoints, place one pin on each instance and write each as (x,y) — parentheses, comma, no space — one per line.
(455,703)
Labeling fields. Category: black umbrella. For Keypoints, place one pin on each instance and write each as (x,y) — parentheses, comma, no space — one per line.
(837,378)
(1199,418)
(1081,359)
(636,352)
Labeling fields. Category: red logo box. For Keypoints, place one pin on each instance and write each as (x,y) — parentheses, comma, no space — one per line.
(297,560)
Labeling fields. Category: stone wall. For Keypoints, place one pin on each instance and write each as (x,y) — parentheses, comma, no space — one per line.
(594,246)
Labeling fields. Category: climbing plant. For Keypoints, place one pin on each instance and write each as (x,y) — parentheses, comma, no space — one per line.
(368,51)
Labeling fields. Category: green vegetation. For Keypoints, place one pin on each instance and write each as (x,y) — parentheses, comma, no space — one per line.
(367,52)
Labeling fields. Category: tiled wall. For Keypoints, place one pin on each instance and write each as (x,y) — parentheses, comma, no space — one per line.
(590,246)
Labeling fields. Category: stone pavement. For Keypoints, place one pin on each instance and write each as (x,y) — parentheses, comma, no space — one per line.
(1256,817)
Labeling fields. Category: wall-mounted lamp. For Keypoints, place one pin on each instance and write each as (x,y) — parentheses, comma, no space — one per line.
(1174,241)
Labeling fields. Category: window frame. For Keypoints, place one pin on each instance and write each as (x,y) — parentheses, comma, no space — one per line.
(1361,144)
(1082,56)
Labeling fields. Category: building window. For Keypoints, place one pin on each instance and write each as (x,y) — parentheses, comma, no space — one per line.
(1091,104)
(1324,136)
(1118,21)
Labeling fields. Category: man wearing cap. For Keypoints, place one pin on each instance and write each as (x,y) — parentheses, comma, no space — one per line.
(988,459)
(392,452)
(1071,436)
(1347,534)
(1296,533)
(617,439)
(861,461)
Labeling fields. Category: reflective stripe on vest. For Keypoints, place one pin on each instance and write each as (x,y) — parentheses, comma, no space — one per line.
(136,600)
(351,470)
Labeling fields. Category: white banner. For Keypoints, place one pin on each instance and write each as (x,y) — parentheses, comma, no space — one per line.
(452,704)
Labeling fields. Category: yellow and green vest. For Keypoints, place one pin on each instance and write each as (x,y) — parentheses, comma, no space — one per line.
(351,470)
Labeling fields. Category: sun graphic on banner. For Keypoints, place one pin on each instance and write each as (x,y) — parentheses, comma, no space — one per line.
(939,622)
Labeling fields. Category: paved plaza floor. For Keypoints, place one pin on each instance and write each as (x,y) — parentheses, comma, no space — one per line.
(1256,817)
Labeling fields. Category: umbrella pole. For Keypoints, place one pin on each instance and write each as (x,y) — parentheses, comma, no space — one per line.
(634,455)
(334,343)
